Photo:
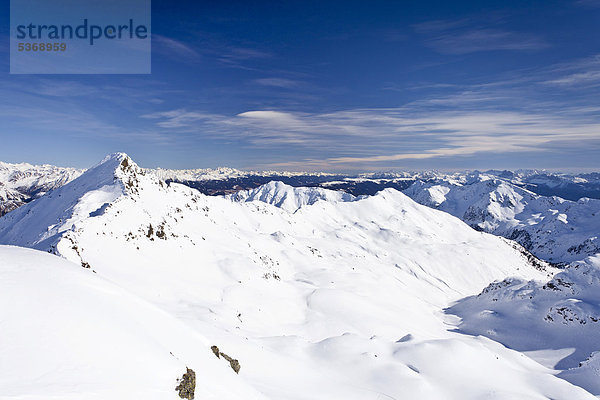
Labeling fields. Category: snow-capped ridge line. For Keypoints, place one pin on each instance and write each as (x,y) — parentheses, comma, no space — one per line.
(290,198)
(41,223)
(21,183)
(552,228)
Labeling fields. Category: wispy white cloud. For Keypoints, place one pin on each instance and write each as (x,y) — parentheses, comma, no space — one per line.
(578,78)
(179,118)
(47,87)
(75,124)
(484,40)
(466,36)
(440,25)
(278,82)
(239,57)
(373,136)
(577,73)
(174,48)
(69,108)
(588,3)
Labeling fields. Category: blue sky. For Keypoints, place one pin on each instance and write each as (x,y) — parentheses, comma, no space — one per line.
(329,85)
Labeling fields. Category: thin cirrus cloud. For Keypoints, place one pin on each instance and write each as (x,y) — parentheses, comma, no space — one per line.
(588,3)
(226,54)
(590,77)
(582,72)
(238,57)
(278,83)
(460,37)
(174,48)
(372,136)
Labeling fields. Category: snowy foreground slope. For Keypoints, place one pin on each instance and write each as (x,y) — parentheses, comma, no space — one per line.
(69,334)
(337,300)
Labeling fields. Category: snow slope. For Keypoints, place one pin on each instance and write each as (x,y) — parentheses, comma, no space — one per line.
(552,228)
(335,300)
(69,334)
(557,322)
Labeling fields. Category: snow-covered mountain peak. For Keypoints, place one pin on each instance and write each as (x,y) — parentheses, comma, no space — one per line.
(42,222)
(289,198)
(118,156)
(118,168)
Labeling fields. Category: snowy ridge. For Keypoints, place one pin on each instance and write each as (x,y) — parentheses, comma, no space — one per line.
(552,228)
(41,223)
(289,198)
(20,183)
(336,300)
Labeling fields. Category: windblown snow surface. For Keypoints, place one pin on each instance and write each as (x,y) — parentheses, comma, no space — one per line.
(335,300)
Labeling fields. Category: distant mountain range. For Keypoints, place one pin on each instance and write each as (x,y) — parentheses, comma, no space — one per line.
(21,183)
(540,210)
(227,180)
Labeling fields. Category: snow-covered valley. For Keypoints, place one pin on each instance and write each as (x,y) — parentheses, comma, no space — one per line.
(318,294)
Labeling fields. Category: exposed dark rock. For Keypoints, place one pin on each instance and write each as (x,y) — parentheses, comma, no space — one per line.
(215,350)
(187,385)
(235,364)
(522,237)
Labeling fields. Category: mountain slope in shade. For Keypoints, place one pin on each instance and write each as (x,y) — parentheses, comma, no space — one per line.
(556,322)
(335,300)
(69,334)
(552,228)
